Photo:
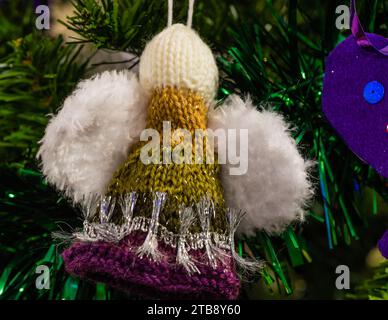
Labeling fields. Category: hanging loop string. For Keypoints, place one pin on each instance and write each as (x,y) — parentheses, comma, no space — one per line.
(190,13)
(169,14)
(359,33)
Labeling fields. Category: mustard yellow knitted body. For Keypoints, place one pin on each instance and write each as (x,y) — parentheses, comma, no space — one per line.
(185,184)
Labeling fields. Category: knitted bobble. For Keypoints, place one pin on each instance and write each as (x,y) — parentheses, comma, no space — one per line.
(177,57)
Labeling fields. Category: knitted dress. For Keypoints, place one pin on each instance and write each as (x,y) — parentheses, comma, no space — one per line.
(162,228)
(165,189)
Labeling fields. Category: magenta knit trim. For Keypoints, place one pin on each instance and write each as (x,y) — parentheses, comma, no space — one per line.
(119,267)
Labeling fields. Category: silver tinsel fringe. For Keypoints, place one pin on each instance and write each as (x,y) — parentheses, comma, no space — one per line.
(217,246)
(183,257)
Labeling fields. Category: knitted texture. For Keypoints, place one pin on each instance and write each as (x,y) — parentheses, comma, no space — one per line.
(178,57)
(185,109)
(184,183)
(121,268)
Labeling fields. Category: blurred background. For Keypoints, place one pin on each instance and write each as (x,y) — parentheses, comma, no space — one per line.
(273,50)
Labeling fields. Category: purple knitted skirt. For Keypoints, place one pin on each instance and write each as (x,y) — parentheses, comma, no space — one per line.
(119,267)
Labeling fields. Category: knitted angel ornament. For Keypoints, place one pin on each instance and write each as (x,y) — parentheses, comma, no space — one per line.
(167,229)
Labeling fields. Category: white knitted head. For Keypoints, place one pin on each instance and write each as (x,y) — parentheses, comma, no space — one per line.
(178,57)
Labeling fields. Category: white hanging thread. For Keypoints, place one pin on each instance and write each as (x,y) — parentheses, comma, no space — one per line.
(169,15)
(190,13)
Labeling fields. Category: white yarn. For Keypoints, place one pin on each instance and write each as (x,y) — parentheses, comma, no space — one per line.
(178,57)
(89,138)
(275,189)
(190,13)
(169,13)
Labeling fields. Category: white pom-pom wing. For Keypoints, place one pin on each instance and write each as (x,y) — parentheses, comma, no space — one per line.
(275,188)
(89,138)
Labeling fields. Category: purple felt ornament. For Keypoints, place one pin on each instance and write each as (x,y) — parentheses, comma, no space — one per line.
(355,94)
(383,245)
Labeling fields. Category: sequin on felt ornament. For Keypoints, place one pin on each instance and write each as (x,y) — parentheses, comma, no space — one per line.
(373,92)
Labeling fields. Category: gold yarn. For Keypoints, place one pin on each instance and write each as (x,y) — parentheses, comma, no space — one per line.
(184,183)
